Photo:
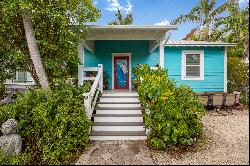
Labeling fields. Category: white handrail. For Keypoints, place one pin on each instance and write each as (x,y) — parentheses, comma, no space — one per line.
(91,97)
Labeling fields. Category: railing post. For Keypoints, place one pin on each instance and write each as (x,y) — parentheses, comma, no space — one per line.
(101,78)
(87,104)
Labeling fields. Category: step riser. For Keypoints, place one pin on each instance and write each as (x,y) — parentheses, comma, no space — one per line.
(120,94)
(118,128)
(119,105)
(134,100)
(118,119)
(118,111)
(103,138)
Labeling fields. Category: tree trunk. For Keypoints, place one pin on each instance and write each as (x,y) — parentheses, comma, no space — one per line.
(34,52)
(246,49)
(207,27)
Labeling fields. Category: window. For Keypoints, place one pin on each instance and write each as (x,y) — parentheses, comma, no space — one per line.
(192,65)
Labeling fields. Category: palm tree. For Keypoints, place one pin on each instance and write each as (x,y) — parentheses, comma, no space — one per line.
(34,52)
(203,14)
(127,20)
(234,27)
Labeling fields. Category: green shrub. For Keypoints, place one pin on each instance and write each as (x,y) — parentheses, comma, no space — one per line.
(21,159)
(175,114)
(2,90)
(238,77)
(53,123)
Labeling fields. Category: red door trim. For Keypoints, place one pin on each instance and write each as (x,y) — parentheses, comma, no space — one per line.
(115,83)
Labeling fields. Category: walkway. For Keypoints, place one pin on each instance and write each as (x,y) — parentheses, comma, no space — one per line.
(116,153)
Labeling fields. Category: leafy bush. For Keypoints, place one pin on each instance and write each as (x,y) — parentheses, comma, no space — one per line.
(2,90)
(14,159)
(238,77)
(238,74)
(173,114)
(53,124)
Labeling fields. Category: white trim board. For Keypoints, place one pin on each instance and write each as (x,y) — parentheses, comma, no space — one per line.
(183,64)
(130,68)
(225,69)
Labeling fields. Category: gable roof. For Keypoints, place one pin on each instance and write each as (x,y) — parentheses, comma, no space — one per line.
(197,43)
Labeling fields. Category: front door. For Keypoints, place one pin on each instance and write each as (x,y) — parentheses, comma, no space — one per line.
(121,72)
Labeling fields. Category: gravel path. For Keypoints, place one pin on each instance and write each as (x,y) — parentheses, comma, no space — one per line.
(227,143)
(116,153)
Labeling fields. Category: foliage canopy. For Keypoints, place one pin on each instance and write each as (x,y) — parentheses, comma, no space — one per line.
(54,26)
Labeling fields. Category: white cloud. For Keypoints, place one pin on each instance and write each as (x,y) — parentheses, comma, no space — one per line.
(243,1)
(114,5)
(95,3)
(164,22)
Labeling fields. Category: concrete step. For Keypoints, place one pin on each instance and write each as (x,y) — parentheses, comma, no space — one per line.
(118,117)
(118,108)
(125,111)
(120,94)
(118,126)
(118,135)
(119,100)
(125,105)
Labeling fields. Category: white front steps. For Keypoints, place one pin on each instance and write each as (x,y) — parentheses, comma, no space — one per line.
(118,117)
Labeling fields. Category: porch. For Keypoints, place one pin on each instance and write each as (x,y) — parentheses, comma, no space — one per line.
(120,48)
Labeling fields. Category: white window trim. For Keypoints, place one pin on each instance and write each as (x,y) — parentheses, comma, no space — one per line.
(183,65)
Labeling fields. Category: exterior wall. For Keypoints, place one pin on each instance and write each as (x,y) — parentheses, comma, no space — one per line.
(104,49)
(213,68)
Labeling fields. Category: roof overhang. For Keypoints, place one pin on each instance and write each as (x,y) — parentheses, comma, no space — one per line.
(187,43)
(128,32)
(152,33)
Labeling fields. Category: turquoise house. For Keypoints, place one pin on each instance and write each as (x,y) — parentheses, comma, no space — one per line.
(200,64)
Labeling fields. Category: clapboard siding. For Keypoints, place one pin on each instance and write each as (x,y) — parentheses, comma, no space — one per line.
(213,68)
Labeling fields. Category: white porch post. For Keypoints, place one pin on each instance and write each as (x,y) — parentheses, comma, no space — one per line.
(80,49)
(225,70)
(161,53)
(101,79)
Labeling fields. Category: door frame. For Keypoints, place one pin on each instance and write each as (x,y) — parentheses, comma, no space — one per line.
(113,58)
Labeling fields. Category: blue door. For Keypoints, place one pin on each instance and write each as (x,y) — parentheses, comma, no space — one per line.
(121,72)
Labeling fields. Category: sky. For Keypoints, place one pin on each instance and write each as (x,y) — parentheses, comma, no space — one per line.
(152,12)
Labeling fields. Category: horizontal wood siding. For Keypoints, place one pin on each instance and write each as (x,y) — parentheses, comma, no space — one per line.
(213,68)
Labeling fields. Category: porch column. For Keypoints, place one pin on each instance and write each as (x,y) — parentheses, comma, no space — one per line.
(80,49)
(161,53)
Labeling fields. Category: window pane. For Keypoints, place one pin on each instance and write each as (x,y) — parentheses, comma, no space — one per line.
(21,77)
(193,59)
(193,71)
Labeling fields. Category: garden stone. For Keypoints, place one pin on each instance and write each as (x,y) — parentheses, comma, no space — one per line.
(10,142)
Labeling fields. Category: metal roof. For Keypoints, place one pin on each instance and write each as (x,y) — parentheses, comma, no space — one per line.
(197,43)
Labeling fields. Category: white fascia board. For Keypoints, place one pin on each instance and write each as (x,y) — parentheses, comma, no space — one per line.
(199,45)
(150,27)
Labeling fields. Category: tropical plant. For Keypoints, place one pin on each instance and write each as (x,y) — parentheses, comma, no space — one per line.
(234,28)
(204,14)
(172,114)
(120,20)
(237,75)
(54,26)
(52,123)
(106,78)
